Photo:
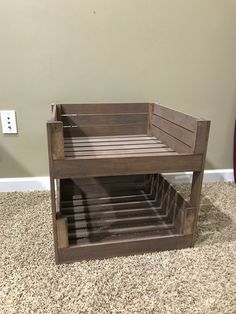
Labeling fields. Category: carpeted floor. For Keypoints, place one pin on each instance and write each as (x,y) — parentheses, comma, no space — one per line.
(197,280)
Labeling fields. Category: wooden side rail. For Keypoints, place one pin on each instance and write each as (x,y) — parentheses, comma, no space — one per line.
(182,132)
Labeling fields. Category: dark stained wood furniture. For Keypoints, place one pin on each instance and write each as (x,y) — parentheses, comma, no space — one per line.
(108,196)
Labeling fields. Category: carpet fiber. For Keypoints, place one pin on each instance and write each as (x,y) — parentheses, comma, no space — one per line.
(197,280)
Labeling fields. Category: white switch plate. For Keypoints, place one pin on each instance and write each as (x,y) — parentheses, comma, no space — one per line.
(8,119)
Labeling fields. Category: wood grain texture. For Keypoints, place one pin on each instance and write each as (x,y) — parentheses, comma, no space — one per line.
(62,233)
(104,130)
(128,247)
(55,130)
(176,131)
(100,108)
(179,118)
(171,141)
(107,166)
(104,119)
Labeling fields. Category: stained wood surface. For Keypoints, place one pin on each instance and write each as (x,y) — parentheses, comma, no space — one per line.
(104,130)
(117,146)
(179,118)
(127,247)
(55,132)
(62,233)
(110,165)
(101,108)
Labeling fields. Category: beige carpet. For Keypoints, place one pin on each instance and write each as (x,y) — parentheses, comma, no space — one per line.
(198,280)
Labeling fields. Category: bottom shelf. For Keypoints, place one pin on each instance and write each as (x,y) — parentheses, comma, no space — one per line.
(110,216)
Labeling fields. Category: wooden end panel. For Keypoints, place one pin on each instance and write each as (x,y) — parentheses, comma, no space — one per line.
(179,118)
(174,128)
(62,233)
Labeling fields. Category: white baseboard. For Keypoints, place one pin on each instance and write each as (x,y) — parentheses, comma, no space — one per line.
(24,184)
(43,184)
(219,175)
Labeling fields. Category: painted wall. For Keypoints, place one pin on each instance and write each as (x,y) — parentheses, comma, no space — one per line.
(181,53)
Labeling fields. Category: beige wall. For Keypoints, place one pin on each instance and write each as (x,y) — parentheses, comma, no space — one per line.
(181,53)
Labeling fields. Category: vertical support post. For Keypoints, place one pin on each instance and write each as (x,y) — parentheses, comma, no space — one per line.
(55,152)
(52,189)
(200,148)
(57,140)
(148,177)
(149,117)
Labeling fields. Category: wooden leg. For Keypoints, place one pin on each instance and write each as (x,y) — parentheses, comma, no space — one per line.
(196,194)
(53,204)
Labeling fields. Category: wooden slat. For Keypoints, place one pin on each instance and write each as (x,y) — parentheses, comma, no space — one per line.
(100,108)
(100,189)
(114,154)
(120,206)
(115,147)
(78,200)
(111,223)
(172,142)
(105,130)
(83,233)
(62,233)
(105,166)
(113,138)
(105,119)
(80,214)
(179,118)
(178,132)
(111,143)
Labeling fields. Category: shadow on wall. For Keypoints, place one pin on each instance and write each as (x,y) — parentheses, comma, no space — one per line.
(10,167)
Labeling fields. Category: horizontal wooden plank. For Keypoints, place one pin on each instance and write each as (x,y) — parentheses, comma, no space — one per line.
(78,200)
(113,138)
(178,132)
(171,141)
(104,166)
(105,119)
(96,148)
(116,247)
(101,181)
(179,118)
(111,223)
(76,213)
(113,154)
(99,108)
(111,143)
(99,189)
(84,233)
(102,208)
(105,130)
